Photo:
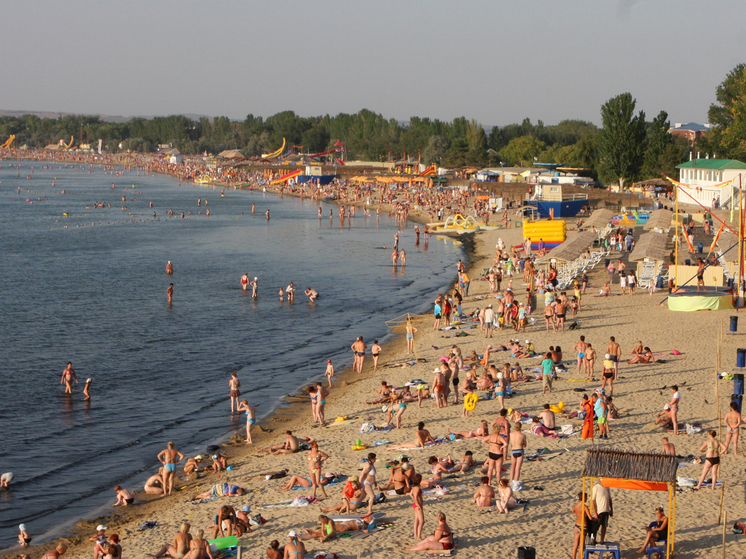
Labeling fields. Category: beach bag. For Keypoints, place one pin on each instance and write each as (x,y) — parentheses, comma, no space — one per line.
(367,428)
(380,498)
(692,429)
(566,430)
(574,326)
(517,485)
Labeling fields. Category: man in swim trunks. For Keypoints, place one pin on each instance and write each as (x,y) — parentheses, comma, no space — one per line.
(170,293)
(601,507)
(169,268)
(615,350)
(517,450)
(169,457)
(547,418)
(312,294)
(582,520)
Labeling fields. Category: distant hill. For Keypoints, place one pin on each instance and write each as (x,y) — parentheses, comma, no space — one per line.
(104,118)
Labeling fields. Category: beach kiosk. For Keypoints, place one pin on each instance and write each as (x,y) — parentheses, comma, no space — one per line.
(637,471)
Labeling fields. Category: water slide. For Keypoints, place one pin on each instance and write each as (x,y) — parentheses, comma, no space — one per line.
(276,153)
(9,141)
(339,161)
(285,178)
(323,153)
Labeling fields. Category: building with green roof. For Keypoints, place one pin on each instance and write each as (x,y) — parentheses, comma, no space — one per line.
(711,181)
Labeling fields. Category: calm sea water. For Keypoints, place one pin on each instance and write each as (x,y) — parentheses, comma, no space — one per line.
(91,288)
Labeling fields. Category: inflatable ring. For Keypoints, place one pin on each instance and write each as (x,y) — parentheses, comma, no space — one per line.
(361,447)
(470,402)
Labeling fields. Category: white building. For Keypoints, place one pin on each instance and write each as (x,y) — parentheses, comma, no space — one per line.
(703,179)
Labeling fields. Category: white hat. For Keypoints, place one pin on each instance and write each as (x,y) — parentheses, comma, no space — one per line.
(666,407)
(528,341)
(22,527)
(169,262)
(256,278)
(500,375)
(436,370)
(100,527)
(607,356)
(292,534)
(246,508)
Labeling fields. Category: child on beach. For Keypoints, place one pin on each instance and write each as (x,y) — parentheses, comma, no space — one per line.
(250,418)
(23,537)
(124,497)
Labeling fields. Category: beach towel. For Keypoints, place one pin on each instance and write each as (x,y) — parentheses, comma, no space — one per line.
(146,525)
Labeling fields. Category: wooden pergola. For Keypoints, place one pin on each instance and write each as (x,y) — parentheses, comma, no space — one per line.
(641,471)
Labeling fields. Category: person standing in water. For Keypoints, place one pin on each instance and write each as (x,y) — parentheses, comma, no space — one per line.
(170,293)
(169,268)
(68,376)
(254,286)
(235,392)
(245,282)
(87,389)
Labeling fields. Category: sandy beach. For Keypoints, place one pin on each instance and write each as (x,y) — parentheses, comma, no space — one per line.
(551,483)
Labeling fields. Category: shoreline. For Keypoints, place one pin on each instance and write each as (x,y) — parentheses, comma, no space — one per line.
(287,414)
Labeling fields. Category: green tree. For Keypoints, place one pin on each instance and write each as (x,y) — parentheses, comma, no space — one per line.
(521,151)
(437,146)
(728,138)
(659,140)
(621,141)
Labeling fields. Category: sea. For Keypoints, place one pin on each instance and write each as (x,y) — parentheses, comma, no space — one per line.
(87,284)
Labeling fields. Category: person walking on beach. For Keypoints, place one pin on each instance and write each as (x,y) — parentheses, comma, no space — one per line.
(358,348)
(615,350)
(68,376)
(234,384)
(170,293)
(250,418)
(329,373)
(169,457)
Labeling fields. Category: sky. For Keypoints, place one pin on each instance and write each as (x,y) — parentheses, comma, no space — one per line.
(497,61)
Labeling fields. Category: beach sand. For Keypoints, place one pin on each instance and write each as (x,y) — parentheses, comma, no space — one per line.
(545,523)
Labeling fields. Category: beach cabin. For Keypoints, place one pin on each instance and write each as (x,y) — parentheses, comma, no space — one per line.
(710,182)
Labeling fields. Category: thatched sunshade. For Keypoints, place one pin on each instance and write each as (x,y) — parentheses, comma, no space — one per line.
(621,464)
(571,249)
(651,245)
(599,219)
(659,219)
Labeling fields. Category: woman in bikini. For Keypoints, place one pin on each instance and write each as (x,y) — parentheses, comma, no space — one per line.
(481,432)
(517,450)
(733,422)
(169,457)
(441,540)
(294,549)
(68,376)
(250,418)
(712,458)
(315,461)
(437,469)
(419,513)
(645,357)
(484,495)
(368,480)
(199,547)
(375,351)
(495,453)
(506,499)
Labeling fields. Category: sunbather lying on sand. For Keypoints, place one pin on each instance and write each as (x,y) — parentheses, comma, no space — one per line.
(326,479)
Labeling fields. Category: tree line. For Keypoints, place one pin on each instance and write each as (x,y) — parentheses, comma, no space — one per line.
(627,147)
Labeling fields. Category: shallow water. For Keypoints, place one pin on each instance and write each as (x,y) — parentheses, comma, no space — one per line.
(96,295)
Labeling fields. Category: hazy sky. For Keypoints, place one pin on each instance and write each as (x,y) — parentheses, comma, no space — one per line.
(497,61)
